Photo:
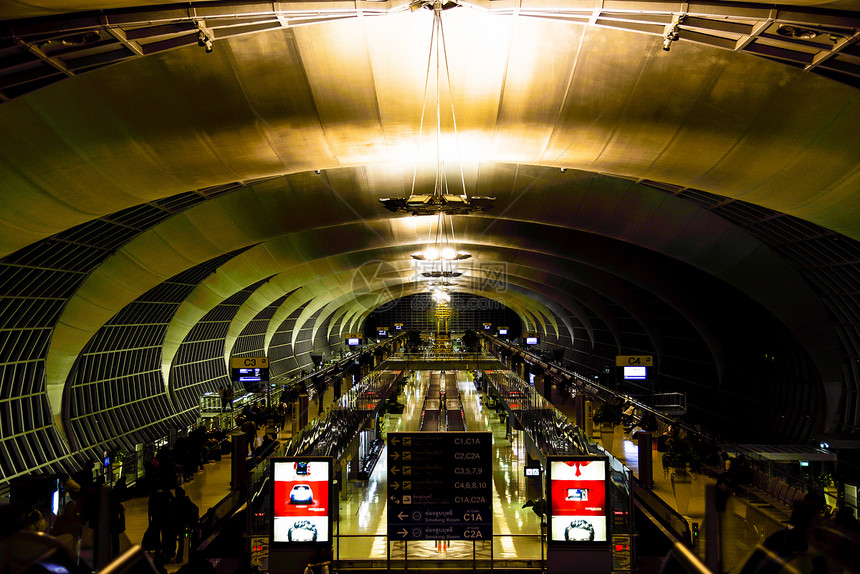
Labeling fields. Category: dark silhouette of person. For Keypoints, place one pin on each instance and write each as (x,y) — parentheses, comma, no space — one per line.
(794,539)
(161,523)
(84,477)
(116,517)
(185,514)
(227,395)
(249,427)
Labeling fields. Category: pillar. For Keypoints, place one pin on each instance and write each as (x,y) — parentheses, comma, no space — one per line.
(303,410)
(579,410)
(588,427)
(543,387)
(646,463)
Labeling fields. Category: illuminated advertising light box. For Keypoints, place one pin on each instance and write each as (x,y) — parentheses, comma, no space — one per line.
(398,326)
(353,342)
(531,340)
(488,326)
(578,501)
(503,331)
(635,373)
(301,501)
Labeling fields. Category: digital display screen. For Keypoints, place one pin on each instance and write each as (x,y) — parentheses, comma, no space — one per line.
(635,373)
(531,340)
(383,332)
(487,326)
(250,375)
(532,471)
(301,501)
(353,341)
(578,500)
(503,331)
(398,326)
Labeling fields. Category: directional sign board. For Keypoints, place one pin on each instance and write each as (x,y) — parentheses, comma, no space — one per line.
(634,360)
(440,486)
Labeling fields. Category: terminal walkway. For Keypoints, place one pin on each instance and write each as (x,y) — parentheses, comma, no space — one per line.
(361,530)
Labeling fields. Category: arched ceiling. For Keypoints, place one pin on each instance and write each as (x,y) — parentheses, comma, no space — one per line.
(566,124)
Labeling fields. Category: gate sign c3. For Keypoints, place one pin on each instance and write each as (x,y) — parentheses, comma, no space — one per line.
(249,362)
(634,360)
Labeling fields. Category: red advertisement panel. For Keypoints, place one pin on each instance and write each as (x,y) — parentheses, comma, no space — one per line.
(300,505)
(578,500)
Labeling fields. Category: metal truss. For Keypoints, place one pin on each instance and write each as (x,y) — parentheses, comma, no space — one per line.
(36,52)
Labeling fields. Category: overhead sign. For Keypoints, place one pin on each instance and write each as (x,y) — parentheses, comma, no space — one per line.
(440,485)
(249,369)
(249,362)
(634,360)
(301,501)
(578,489)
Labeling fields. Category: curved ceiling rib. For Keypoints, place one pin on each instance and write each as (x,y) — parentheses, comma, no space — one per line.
(650,218)
(632,184)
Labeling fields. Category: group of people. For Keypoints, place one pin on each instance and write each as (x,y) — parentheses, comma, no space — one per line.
(737,472)
(81,509)
(814,540)
(249,422)
(172,466)
(171,515)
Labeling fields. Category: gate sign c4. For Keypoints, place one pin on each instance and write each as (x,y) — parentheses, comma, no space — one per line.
(634,361)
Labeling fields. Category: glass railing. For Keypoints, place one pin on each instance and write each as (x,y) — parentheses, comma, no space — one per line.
(503,551)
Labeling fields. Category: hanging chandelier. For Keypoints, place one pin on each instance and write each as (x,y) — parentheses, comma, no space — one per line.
(442,201)
(440,296)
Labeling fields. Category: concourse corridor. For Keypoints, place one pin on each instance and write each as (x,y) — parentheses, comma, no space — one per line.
(516,530)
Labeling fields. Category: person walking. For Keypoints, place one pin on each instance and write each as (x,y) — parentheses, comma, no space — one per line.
(249,427)
(160,536)
(186,514)
(226,398)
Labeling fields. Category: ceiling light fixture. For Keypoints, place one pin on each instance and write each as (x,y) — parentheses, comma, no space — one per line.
(440,296)
(672,32)
(441,250)
(437,274)
(204,37)
(441,200)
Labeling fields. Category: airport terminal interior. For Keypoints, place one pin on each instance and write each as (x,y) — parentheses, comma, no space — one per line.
(563,286)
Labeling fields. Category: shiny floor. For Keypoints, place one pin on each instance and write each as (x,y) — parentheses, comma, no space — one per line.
(516,530)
